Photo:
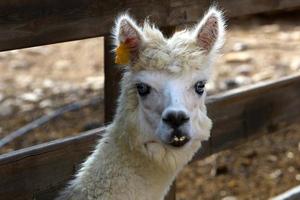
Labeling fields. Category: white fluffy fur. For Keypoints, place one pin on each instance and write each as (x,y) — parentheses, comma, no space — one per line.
(132,162)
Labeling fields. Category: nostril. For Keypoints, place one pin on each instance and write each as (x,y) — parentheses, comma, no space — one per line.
(185,118)
(175,119)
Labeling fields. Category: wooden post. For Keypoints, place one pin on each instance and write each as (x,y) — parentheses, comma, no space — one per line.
(111,81)
(172,192)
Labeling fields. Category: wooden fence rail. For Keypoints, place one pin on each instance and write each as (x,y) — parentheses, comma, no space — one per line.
(27,23)
(39,172)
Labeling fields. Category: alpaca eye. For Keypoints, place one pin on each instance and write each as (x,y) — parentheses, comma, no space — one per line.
(143,89)
(199,87)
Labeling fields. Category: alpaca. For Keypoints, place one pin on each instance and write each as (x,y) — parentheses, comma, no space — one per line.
(161,115)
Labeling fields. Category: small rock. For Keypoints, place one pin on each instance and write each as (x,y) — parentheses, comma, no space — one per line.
(223,193)
(47,83)
(72,98)
(272,158)
(19,64)
(263,76)
(276,174)
(26,107)
(94,82)
(232,183)
(243,80)
(30,97)
(239,46)
(291,169)
(38,91)
(56,90)
(289,36)
(1,130)
(62,64)
(290,155)
(250,154)
(6,108)
(68,87)
(241,57)
(210,86)
(210,160)
(297,177)
(299,146)
(229,198)
(246,162)
(295,65)
(46,103)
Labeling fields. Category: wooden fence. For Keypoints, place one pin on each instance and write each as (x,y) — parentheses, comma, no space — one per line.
(38,172)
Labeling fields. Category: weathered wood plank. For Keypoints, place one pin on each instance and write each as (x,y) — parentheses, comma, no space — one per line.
(291,194)
(188,11)
(172,192)
(248,112)
(26,23)
(41,170)
(112,77)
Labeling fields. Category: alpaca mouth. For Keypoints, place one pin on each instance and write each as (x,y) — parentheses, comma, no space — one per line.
(178,139)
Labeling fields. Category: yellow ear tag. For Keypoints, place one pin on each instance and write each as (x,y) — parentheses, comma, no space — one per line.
(122,54)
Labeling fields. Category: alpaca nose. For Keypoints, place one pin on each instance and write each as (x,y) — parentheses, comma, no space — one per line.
(175,118)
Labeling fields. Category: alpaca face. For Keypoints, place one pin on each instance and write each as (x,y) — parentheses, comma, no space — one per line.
(168,76)
(171,106)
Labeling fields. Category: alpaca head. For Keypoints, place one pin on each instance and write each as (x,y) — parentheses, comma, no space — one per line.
(164,81)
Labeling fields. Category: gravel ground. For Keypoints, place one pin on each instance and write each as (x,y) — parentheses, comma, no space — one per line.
(36,81)
(257,170)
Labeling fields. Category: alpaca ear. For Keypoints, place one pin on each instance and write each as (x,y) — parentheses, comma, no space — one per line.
(129,36)
(210,31)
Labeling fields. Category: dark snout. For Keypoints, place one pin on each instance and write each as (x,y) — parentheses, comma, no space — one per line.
(176,120)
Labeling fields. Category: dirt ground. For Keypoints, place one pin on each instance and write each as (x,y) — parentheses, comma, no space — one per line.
(36,81)
(257,170)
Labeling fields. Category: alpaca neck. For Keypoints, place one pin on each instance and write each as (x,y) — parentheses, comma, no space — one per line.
(119,171)
(145,174)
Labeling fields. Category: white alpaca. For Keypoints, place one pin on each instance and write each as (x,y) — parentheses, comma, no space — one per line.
(161,117)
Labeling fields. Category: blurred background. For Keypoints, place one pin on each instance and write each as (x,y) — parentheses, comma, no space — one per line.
(38,81)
